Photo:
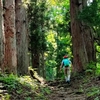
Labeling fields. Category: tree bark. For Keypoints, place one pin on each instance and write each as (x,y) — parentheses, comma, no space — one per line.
(82,39)
(2,37)
(35,60)
(22,38)
(42,66)
(10,37)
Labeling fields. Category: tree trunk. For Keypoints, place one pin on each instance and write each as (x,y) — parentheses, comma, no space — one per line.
(22,38)
(10,37)
(1,36)
(41,65)
(35,60)
(82,40)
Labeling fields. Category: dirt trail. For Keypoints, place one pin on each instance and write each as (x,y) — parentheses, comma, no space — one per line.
(65,92)
(60,90)
(76,90)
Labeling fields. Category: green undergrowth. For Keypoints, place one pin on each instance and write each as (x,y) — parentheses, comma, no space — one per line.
(27,88)
(89,85)
(22,88)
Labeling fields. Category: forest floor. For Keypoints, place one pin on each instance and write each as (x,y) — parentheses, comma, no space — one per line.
(80,88)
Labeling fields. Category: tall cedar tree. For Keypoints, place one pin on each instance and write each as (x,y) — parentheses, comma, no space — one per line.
(82,37)
(22,38)
(10,59)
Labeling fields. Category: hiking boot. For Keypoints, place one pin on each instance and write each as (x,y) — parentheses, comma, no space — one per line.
(68,81)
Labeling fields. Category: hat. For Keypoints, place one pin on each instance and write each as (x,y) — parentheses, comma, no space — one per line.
(65,57)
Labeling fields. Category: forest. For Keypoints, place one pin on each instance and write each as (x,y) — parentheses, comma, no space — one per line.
(35,36)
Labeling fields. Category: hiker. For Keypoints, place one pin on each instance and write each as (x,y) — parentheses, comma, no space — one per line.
(66,65)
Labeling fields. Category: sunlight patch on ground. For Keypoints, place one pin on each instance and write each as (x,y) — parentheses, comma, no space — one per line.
(28,81)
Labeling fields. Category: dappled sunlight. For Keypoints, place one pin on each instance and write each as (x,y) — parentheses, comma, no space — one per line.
(27,80)
(43,33)
(51,35)
(25,3)
(34,75)
(98,48)
(98,69)
(23,87)
(51,39)
(51,2)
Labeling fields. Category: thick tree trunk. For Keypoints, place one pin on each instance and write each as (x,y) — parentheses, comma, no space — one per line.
(1,36)
(82,40)
(10,37)
(22,38)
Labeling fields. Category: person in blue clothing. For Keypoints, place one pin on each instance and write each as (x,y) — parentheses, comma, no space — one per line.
(66,65)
